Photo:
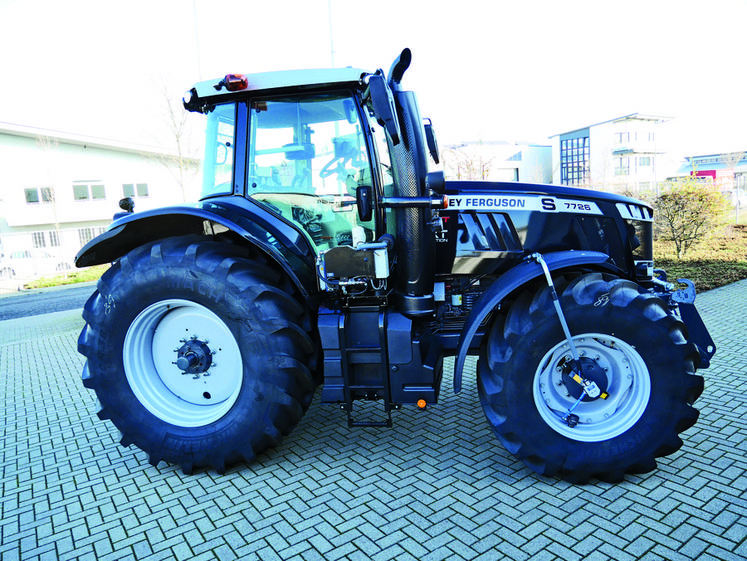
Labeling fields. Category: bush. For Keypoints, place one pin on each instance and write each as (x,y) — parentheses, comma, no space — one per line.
(688,211)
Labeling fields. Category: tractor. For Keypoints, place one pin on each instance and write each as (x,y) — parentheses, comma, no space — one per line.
(325,258)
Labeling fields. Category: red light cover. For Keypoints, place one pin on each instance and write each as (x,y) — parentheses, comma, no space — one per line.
(236,82)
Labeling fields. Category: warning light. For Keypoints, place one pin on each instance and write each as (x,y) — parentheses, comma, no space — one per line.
(233,83)
(422,404)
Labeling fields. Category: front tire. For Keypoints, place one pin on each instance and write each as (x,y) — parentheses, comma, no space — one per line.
(196,353)
(636,351)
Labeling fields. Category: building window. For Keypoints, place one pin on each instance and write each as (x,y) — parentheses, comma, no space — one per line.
(88,191)
(45,239)
(38,239)
(574,161)
(135,190)
(622,137)
(35,195)
(622,166)
(85,235)
(644,161)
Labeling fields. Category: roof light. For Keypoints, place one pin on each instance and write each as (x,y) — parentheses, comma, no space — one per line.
(233,83)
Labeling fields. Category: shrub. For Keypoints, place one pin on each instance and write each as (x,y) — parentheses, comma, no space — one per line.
(687,211)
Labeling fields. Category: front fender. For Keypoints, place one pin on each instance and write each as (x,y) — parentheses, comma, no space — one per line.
(508,282)
(259,227)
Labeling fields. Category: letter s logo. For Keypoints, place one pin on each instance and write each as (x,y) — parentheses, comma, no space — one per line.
(548,204)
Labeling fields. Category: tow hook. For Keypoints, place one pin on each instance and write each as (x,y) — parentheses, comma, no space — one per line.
(682,295)
(685,295)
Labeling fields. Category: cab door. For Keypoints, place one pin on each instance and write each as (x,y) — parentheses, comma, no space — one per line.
(307,156)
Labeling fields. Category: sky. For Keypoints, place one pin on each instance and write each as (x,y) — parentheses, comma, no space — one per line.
(518,71)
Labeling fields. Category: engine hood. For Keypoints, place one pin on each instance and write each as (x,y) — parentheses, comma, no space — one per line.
(516,188)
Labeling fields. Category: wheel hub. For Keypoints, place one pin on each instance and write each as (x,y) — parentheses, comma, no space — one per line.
(589,371)
(168,360)
(607,365)
(194,357)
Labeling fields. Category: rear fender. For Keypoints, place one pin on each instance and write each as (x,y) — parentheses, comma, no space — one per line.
(257,226)
(507,283)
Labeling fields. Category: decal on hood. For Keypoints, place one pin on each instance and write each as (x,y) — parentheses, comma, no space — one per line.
(490,202)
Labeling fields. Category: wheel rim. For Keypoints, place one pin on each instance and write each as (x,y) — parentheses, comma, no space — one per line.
(628,386)
(186,397)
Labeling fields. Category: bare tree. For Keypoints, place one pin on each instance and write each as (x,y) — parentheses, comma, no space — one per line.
(183,162)
(465,162)
(47,145)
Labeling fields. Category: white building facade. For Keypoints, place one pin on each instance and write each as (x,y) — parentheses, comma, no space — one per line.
(617,155)
(58,191)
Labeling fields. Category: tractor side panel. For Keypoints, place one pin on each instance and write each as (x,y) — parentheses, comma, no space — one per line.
(489,233)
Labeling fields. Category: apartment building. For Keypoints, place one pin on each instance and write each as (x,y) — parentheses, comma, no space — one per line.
(621,154)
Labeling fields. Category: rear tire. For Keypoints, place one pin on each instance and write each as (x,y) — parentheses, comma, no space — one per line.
(639,353)
(195,354)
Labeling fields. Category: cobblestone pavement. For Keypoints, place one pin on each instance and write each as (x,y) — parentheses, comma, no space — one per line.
(436,486)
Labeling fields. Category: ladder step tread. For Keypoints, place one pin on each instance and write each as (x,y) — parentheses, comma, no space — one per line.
(387,423)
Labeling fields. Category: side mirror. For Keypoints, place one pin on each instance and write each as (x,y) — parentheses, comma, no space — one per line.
(382,103)
(435,182)
(430,138)
(350,112)
(363,196)
(221,154)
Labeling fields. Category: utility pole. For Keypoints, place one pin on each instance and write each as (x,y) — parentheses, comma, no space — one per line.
(331,35)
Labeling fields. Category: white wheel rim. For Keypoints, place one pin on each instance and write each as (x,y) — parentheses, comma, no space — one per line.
(172,395)
(628,386)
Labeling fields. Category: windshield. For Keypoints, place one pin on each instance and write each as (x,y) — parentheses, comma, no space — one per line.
(217,165)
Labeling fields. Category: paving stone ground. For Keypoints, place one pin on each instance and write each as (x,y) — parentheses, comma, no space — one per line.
(435,486)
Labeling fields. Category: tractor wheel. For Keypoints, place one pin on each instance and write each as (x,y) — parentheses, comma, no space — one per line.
(195,353)
(630,347)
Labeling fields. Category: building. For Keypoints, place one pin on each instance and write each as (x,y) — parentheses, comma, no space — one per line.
(726,171)
(498,161)
(59,190)
(616,155)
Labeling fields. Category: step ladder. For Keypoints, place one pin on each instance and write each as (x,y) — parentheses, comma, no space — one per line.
(365,374)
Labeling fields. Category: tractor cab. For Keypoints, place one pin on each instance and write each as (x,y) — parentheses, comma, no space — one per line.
(328,153)
(305,158)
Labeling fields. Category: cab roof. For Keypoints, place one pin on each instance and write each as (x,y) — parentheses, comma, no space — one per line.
(215,91)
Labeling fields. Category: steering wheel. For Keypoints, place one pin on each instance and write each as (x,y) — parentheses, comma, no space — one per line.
(345,152)
(339,168)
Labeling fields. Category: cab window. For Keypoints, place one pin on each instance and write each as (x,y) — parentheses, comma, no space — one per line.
(307,156)
(217,164)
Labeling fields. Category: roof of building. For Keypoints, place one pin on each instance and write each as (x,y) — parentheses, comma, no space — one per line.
(14,129)
(714,162)
(625,118)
